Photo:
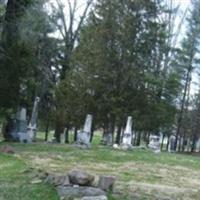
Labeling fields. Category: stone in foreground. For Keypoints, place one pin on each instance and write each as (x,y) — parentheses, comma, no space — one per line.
(79,177)
(107,139)
(106,183)
(102,197)
(57,180)
(79,192)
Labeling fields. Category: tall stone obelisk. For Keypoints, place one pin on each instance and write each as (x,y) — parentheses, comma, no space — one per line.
(127,136)
(83,137)
(32,127)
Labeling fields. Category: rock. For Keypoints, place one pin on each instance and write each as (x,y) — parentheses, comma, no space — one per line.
(57,180)
(115,146)
(66,181)
(106,183)
(80,178)
(79,192)
(102,197)
(7,149)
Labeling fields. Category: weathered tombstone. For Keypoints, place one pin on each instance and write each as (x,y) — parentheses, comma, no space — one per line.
(107,138)
(127,136)
(63,136)
(83,136)
(20,132)
(32,127)
(198,145)
(172,143)
(154,143)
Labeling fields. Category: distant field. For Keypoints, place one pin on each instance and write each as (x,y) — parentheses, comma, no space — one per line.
(140,174)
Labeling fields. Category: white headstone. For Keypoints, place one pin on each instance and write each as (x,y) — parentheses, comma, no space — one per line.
(172,141)
(32,127)
(154,143)
(88,124)
(22,126)
(127,136)
(83,136)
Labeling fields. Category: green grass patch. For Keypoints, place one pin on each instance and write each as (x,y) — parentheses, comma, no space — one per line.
(138,166)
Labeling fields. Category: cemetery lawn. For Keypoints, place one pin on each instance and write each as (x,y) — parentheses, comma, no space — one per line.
(140,174)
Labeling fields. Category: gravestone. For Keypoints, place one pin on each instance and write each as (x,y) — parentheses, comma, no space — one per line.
(83,136)
(107,138)
(106,183)
(127,136)
(20,132)
(32,127)
(198,145)
(172,143)
(154,143)
(63,136)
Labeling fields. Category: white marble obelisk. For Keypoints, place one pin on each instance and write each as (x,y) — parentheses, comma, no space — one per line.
(127,136)
(32,127)
(83,136)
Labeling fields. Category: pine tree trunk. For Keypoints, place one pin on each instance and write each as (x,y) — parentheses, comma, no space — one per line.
(47,130)
(92,133)
(58,131)
(67,135)
(193,144)
(138,138)
(163,138)
(183,145)
(118,136)
(180,144)
(148,137)
(167,146)
(75,134)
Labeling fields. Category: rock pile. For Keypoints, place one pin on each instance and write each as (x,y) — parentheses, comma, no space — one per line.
(79,185)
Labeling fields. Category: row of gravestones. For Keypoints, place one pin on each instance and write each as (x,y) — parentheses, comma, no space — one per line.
(83,137)
(26,134)
(20,129)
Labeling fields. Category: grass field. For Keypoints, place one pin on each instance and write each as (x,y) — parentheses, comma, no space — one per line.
(140,174)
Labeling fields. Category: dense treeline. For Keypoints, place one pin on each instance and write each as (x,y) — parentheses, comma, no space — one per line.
(118,59)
